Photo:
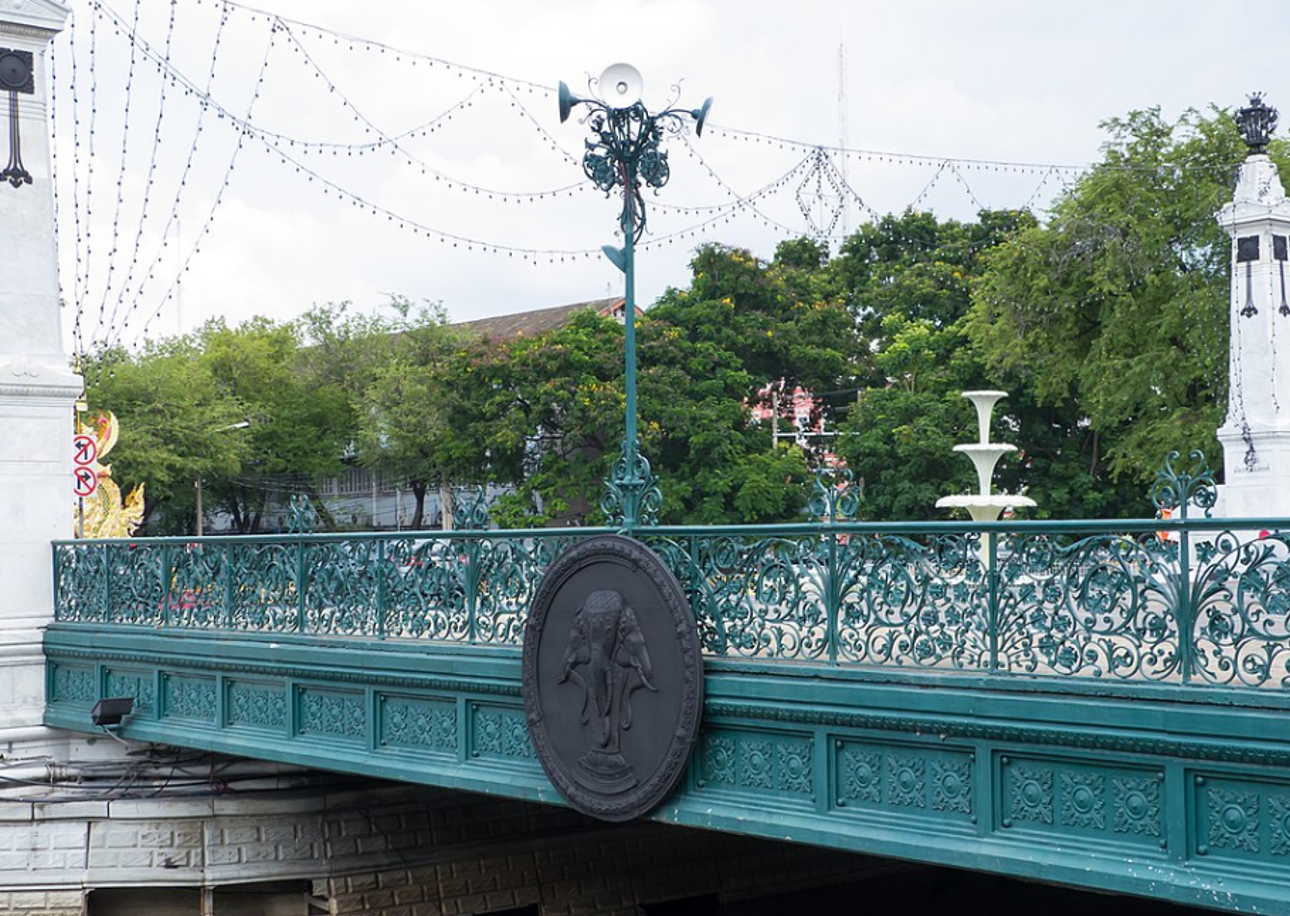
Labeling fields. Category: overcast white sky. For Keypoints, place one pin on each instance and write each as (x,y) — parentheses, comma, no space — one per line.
(1005,80)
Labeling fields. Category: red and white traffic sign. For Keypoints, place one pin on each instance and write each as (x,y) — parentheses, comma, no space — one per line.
(85,449)
(86,481)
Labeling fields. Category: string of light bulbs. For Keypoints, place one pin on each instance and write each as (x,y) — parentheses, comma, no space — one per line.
(821,163)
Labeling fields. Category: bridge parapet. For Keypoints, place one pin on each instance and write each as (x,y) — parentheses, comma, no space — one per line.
(1099,704)
(1189,602)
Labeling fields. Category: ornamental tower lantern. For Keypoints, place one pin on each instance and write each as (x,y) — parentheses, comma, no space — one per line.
(1256,432)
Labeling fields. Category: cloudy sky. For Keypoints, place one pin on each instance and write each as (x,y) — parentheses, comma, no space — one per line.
(413,147)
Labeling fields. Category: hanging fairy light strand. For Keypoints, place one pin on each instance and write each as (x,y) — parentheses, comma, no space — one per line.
(395,142)
(182,184)
(148,179)
(822,187)
(116,336)
(169,71)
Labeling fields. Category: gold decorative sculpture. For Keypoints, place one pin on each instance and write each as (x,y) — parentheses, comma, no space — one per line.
(103,513)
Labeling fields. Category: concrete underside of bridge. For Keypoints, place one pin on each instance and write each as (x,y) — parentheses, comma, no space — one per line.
(359,847)
(349,847)
(1127,789)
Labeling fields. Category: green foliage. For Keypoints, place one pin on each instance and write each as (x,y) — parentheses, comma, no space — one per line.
(900,445)
(908,281)
(1119,304)
(1107,327)
(174,416)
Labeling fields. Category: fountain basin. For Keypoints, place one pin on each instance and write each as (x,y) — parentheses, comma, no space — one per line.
(985,508)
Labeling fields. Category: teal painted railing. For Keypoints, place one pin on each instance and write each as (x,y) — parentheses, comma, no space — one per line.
(1185,601)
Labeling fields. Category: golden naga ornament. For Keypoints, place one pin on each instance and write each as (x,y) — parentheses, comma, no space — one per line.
(104,514)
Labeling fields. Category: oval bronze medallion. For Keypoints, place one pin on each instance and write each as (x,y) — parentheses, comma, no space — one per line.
(613,677)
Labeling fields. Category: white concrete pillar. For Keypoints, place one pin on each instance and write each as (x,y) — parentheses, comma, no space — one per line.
(1255,435)
(37,388)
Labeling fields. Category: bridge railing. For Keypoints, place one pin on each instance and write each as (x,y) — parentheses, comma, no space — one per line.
(1182,601)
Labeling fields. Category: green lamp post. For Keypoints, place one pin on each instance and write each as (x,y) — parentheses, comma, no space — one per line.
(625,154)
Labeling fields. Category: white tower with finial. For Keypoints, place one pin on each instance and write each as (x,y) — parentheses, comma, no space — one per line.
(38,390)
(1255,436)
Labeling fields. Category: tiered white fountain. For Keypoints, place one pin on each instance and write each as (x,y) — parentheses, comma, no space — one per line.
(985,507)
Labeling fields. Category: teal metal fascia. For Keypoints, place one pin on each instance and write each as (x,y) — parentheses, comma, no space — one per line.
(1173,800)
(1107,870)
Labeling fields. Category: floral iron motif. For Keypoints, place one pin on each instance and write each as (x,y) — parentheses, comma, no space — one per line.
(834,496)
(632,495)
(470,509)
(1176,489)
(302,516)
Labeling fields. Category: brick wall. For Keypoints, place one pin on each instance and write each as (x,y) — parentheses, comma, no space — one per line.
(497,856)
(41,903)
(393,851)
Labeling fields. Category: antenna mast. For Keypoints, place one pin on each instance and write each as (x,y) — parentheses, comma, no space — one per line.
(842,132)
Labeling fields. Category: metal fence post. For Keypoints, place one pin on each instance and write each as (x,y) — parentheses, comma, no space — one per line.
(108,616)
(1184,611)
(381,573)
(992,600)
(832,591)
(165,586)
(301,603)
(226,572)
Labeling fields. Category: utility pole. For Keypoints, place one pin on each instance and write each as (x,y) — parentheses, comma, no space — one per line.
(774,418)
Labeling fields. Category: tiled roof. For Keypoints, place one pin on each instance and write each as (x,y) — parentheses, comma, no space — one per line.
(537,321)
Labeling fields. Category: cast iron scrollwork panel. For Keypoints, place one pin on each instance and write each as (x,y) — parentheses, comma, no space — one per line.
(1101,606)
(509,574)
(1241,597)
(425,597)
(196,595)
(265,590)
(80,584)
(138,588)
(754,598)
(913,602)
(341,587)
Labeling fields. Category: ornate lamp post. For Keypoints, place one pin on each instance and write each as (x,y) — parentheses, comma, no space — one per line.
(624,154)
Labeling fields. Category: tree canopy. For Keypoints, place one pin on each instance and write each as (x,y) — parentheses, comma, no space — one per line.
(1106,323)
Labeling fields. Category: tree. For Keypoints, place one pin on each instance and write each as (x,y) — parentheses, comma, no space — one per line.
(394,372)
(907,280)
(172,411)
(300,425)
(1119,303)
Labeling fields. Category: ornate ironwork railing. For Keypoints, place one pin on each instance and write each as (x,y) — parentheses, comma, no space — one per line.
(1184,601)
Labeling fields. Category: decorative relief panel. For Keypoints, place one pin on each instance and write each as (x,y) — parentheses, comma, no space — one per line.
(502,733)
(1279,818)
(252,704)
(420,724)
(1137,805)
(1243,819)
(766,764)
(952,785)
(1067,798)
(1233,819)
(906,783)
(137,684)
(189,698)
(332,713)
(1031,794)
(917,780)
(74,685)
(861,776)
(1083,800)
